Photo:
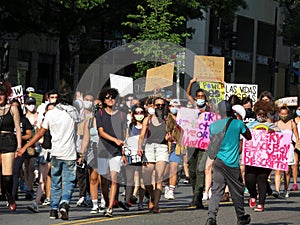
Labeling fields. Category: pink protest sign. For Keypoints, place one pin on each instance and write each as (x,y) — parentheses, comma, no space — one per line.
(267,150)
(195,127)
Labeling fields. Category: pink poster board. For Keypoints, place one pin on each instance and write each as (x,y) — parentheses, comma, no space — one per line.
(267,150)
(195,127)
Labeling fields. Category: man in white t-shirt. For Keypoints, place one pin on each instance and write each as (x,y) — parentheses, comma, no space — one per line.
(61,122)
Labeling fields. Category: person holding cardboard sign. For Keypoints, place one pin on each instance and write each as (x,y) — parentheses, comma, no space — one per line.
(195,155)
(258,176)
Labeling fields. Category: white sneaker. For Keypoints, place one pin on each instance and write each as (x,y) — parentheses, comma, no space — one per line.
(80,201)
(94,210)
(102,204)
(205,196)
(209,193)
(171,195)
(167,189)
(287,194)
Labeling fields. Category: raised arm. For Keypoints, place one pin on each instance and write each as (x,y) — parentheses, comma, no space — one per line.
(189,89)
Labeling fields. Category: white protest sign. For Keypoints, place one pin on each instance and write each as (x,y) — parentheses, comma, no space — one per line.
(289,101)
(241,90)
(123,84)
(17,93)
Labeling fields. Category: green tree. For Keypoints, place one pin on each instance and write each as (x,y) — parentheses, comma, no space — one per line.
(165,21)
(154,23)
(291,23)
(60,19)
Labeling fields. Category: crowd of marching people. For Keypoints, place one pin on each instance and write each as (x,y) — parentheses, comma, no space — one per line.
(98,142)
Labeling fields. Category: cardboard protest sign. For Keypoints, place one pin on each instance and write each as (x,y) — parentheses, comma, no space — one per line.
(215,90)
(38,98)
(195,127)
(17,93)
(159,77)
(209,68)
(241,90)
(123,84)
(289,101)
(267,150)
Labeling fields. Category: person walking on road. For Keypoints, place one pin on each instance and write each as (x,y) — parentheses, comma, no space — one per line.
(226,168)
(61,122)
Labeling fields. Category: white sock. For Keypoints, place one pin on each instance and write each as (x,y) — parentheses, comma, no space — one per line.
(95,203)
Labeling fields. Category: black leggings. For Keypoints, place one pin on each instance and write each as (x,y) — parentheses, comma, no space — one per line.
(259,176)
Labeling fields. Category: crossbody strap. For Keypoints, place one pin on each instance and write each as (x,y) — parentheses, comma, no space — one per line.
(227,125)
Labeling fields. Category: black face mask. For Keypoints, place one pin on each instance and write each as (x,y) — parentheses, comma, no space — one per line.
(159,113)
(249,113)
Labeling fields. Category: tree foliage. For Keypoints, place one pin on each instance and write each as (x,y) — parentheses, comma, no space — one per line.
(60,19)
(165,21)
(291,23)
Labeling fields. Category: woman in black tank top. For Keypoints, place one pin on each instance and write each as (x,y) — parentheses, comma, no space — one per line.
(9,142)
(156,154)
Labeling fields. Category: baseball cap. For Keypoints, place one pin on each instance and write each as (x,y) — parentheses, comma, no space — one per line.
(30,101)
(175,102)
(239,110)
(30,89)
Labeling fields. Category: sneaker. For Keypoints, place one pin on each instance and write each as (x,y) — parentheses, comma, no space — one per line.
(294,187)
(211,221)
(29,195)
(94,210)
(287,194)
(171,195)
(245,219)
(167,189)
(53,214)
(252,202)
(46,202)
(123,193)
(205,196)
(64,210)
(108,213)
(12,206)
(275,194)
(33,207)
(81,202)
(199,205)
(123,205)
(259,208)
(156,210)
(133,199)
(102,203)
(246,191)
(140,206)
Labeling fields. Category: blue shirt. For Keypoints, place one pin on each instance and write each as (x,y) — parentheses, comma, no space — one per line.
(229,151)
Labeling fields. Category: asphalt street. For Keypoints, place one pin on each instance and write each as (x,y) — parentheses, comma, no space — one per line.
(175,212)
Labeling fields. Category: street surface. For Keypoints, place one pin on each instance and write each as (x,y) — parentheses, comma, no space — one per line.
(176,212)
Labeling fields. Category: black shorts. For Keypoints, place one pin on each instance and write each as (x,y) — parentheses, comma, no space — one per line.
(8,143)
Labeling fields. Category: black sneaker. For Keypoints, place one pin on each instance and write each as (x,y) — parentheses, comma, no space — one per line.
(211,221)
(123,206)
(199,206)
(245,219)
(64,210)
(53,214)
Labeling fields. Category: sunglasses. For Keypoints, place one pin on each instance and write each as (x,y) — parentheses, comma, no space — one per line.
(109,97)
(160,105)
(138,112)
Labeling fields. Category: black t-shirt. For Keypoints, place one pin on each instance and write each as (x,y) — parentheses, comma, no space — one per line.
(113,125)
(25,125)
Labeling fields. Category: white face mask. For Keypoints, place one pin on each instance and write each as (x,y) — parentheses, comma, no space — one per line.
(200,102)
(31,108)
(52,100)
(151,111)
(298,112)
(139,117)
(87,105)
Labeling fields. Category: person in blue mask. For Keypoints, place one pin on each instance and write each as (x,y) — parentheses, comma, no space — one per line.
(195,155)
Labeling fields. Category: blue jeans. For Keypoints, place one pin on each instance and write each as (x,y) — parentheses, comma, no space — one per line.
(63,176)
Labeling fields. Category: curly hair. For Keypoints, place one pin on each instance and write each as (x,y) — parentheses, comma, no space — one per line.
(111,91)
(263,105)
(5,88)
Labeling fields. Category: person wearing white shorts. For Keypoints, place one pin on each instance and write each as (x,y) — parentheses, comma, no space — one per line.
(156,152)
